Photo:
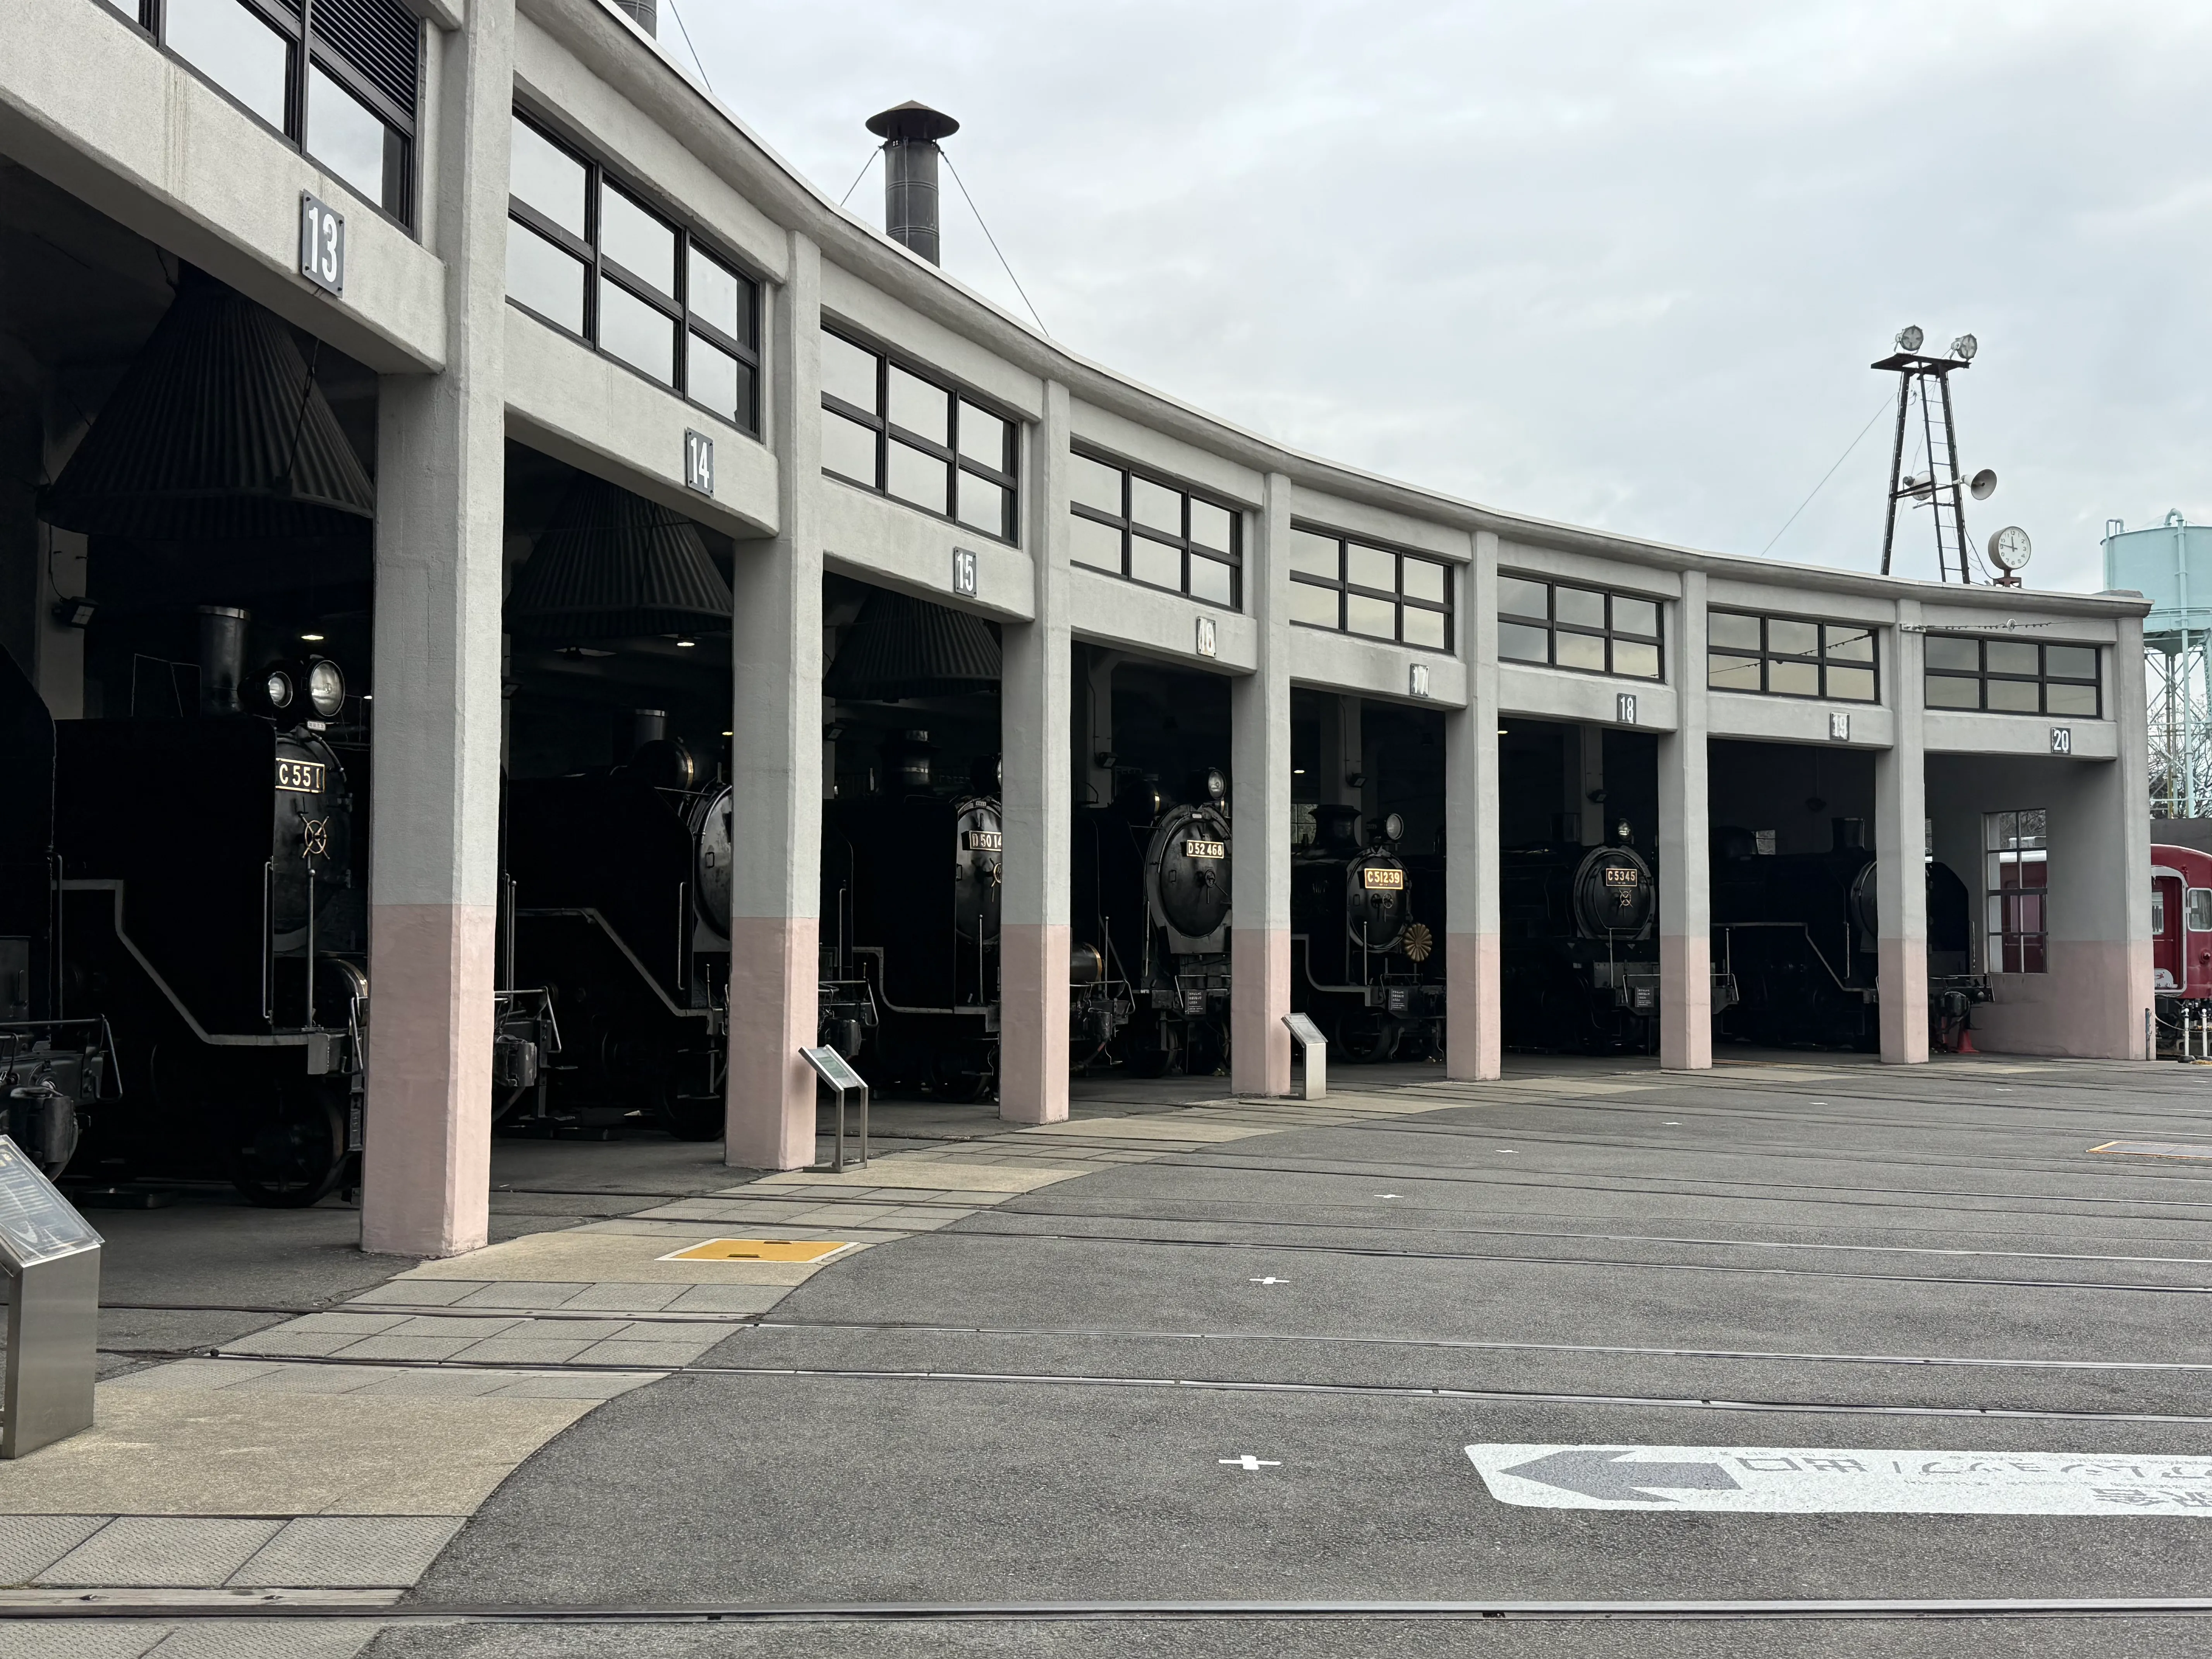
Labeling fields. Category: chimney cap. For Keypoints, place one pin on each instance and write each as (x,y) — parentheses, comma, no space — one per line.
(913,119)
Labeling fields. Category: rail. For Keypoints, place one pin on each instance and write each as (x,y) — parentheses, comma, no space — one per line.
(1727,929)
(587,913)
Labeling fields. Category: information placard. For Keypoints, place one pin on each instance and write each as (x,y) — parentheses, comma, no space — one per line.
(1303,1028)
(37,1223)
(831,1067)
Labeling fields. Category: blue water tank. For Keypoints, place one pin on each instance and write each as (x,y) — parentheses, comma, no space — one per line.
(2170,565)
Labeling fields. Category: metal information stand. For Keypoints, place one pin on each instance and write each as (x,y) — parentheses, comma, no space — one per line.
(1308,1036)
(53,1315)
(831,1067)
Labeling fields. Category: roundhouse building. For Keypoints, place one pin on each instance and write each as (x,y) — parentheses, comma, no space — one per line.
(521,256)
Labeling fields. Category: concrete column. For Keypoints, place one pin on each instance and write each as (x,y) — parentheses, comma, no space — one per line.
(1034,717)
(1686,943)
(776,760)
(1901,809)
(1473,1034)
(1260,778)
(434,830)
(2123,791)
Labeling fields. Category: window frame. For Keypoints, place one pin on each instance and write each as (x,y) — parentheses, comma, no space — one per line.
(2042,679)
(677,308)
(1188,547)
(1821,661)
(303,47)
(887,432)
(1554,627)
(2004,941)
(1400,601)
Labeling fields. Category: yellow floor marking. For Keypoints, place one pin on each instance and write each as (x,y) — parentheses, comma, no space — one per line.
(2154,1149)
(761,1249)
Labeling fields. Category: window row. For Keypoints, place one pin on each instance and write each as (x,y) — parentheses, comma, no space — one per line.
(888,426)
(2012,677)
(1790,657)
(1154,532)
(1588,629)
(1358,587)
(586,254)
(343,87)
(2017,891)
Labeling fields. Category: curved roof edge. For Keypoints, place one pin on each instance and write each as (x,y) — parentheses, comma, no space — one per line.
(644,71)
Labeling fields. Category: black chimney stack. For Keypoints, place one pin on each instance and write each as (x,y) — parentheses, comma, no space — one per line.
(910,133)
(643,12)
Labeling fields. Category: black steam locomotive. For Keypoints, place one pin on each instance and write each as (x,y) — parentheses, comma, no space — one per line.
(1149,912)
(1360,963)
(1579,958)
(910,961)
(191,993)
(615,947)
(1797,933)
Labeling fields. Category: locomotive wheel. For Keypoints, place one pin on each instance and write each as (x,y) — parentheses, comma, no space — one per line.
(291,1153)
(689,1117)
(1368,1039)
(1204,1049)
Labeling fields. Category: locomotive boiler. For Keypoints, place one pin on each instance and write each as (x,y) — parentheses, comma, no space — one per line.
(1359,960)
(910,959)
(1797,933)
(1579,959)
(1149,910)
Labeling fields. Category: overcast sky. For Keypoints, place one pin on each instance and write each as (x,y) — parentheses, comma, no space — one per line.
(1621,265)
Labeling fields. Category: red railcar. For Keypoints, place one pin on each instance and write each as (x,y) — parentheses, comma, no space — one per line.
(2181,923)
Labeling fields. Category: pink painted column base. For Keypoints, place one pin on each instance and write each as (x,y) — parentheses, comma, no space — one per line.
(426,1167)
(1902,977)
(1258,1042)
(1473,1034)
(1033,1022)
(775,1012)
(2088,1007)
(1686,1003)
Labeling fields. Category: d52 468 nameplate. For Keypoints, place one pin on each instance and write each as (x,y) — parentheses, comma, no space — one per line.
(1204,849)
(301,777)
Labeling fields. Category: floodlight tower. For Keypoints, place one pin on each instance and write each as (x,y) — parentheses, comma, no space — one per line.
(1926,381)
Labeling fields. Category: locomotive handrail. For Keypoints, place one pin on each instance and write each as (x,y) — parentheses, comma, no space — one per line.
(1306,955)
(1803,927)
(113,886)
(981,1010)
(591,916)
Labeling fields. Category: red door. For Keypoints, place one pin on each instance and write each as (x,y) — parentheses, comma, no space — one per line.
(2168,970)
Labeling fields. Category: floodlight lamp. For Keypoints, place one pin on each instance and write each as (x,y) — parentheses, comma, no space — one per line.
(1964,347)
(326,687)
(1909,338)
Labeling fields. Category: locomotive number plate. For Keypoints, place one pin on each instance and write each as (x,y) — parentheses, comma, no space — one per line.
(1204,849)
(301,777)
(983,840)
(1373,878)
(1617,875)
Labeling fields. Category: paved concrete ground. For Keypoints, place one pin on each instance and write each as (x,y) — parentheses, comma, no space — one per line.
(1036,1374)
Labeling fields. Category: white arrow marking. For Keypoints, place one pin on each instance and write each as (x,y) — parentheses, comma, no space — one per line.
(1793,1480)
(1250,1463)
(1386,1194)
(1271,1280)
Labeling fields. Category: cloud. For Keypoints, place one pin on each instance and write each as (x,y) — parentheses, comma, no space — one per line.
(1620,264)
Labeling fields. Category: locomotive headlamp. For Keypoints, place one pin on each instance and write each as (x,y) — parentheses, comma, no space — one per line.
(326,687)
(276,685)
(1393,827)
(1217,786)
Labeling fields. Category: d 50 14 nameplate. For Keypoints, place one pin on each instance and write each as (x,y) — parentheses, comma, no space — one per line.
(983,840)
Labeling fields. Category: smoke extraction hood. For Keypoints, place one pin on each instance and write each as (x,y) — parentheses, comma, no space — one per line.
(901,646)
(614,566)
(217,431)
(910,132)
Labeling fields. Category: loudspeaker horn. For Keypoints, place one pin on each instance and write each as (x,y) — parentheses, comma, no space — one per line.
(1983,484)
